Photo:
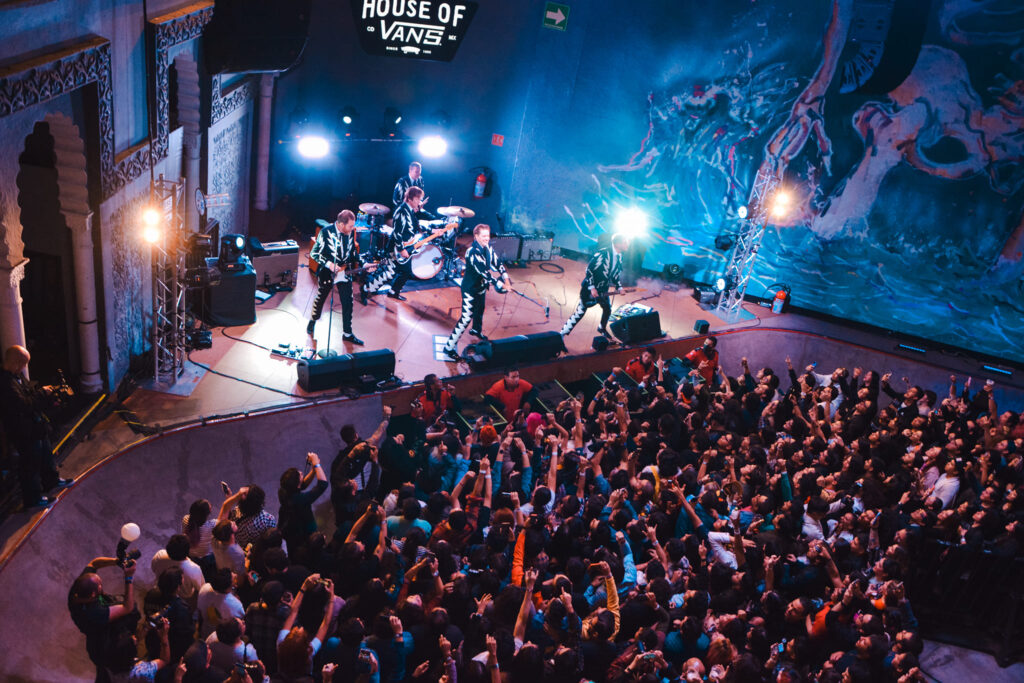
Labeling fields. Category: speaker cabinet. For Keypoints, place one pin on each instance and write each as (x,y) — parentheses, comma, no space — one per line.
(230,299)
(320,374)
(507,246)
(499,353)
(701,326)
(636,328)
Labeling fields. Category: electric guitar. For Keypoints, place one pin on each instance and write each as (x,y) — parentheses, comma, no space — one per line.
(344,270)
(418,241)
(590,300)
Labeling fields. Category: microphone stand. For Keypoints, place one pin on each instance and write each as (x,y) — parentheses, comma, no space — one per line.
(329,352)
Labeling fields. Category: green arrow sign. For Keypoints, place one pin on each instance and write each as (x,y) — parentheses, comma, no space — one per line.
(556,16)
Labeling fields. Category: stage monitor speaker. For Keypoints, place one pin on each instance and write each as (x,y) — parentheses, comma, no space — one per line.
(632,329)
(503,353)
(600,343)
(256,35)
(230,299)
(701,326)
(320,374)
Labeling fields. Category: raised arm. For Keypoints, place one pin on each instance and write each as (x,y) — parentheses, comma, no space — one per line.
(230,502)
(377,438)
(526,609)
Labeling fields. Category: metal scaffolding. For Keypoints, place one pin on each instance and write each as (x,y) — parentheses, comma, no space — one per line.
(748,241)
(168,257)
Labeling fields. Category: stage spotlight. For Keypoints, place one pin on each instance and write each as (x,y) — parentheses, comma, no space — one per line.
(433,146)
(781,203)
(723,242)
(313,146)
(723,283)
(392,118)
(349,115)
(631,222)
(151,216)
(151,233)
(232,253)
(742,212)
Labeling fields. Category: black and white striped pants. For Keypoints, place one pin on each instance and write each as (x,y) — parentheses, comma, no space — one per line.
(472,312)
(391,271)
(587,301)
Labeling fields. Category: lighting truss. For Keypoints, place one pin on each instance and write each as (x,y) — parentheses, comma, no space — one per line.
(748,242)
(168,258)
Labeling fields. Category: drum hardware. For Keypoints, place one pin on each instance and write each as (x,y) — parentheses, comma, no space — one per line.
(456,212)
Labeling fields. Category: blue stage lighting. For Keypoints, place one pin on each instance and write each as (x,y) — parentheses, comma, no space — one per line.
(631,222)
(314,146)
(433,146)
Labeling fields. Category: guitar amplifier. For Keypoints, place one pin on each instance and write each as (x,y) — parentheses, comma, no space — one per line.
(536,247)
(276,263)
(507,246)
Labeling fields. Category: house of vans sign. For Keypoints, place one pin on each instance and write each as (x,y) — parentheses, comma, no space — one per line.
(418,29)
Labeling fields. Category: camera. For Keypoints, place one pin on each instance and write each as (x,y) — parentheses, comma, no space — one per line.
(247,668)
(154,619)
(129,533)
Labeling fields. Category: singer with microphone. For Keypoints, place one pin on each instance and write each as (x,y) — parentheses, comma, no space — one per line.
(480,262)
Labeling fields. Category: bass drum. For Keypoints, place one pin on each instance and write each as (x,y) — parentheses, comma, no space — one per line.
(427,262)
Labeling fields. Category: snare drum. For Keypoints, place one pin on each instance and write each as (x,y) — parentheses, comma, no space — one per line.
(427,262)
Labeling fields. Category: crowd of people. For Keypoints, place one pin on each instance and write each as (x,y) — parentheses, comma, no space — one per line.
(739,527)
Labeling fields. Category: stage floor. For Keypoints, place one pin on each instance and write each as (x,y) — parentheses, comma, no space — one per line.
(246,375)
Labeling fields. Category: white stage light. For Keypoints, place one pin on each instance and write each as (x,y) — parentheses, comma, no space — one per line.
(433,146)
(781,203)
(150,217)
(631,222)
(313,146)
(151,233)
(741,212)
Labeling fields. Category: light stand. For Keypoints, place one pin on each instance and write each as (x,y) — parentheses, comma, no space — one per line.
(169,255)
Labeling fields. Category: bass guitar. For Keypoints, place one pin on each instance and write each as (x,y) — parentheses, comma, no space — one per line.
(344,270)
(418,241)
(590,300)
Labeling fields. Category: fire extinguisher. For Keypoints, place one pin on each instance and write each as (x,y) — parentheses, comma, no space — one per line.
(779,302)
(480,186)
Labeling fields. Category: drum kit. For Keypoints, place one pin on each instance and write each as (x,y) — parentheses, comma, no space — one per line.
(439,256)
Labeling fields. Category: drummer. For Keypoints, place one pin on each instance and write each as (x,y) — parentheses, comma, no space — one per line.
(413,179)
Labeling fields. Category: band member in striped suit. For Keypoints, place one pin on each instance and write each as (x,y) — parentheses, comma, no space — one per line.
(336,253)
(413,179)
(602,274)
(397,268)
(480,262)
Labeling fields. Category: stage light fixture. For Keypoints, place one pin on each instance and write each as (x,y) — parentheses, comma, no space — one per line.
(723,283)
(349,115)
(433,146)
(314,146)
(151,219)
(723,242)
(392,118)
(631,222)
(742,212)
(232,253)
(151,233)
(781,204)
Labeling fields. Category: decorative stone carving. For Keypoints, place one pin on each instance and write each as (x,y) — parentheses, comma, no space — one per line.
(129,294)
(239,96)
(169,30)
(11,277)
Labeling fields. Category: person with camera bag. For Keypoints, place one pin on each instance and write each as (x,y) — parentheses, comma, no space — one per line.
(97,615)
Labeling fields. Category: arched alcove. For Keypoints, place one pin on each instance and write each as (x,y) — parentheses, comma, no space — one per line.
(48,288)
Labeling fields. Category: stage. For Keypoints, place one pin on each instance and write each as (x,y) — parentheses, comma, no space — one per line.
(244,374)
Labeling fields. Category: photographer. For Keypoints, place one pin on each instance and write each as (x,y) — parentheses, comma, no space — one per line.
(295,518)
(97,615)
(27,429)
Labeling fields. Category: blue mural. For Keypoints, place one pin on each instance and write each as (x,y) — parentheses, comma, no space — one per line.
(908,211)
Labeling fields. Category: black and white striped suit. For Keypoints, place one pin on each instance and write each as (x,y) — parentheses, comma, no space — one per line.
(480,261)
(333,246)
(603,272)
(403,184)
(406,226)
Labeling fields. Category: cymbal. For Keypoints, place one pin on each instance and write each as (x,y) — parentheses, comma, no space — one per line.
(456,212)
(374,209)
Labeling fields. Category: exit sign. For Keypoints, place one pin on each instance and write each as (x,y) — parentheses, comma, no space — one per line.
(497,140)
(556,16)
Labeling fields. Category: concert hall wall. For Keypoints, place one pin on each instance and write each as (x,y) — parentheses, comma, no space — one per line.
(908,211)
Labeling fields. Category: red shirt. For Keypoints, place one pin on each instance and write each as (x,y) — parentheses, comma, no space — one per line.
(697,356)
(432,410)
(638,370)
(511,400)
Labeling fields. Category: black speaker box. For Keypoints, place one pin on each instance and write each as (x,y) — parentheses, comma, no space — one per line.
(231,300)
(523,347)
(319,374)
(701,326)
(637,328)
(256,35)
